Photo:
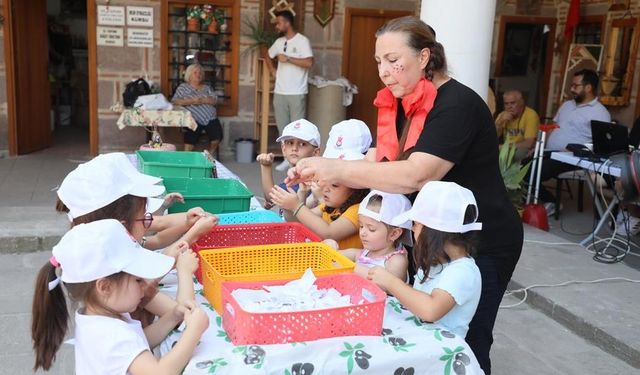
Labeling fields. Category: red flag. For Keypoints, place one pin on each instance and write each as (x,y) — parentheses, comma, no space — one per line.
(573,18)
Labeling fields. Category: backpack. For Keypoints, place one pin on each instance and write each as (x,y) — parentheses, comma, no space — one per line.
(134,89)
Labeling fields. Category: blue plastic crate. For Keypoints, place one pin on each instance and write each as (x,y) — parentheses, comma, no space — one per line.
(250,217)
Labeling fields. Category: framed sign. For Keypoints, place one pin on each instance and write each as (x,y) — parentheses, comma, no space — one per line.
(140,16)
(139,37)
(323,11)
(110,15)
(109,36)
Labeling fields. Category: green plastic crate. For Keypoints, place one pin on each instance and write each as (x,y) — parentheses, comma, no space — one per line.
(218,196)
(174,164)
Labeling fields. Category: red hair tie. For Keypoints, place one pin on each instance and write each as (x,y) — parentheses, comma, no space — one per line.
(54,262)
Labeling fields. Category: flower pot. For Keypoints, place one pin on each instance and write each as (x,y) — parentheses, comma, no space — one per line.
(213,26)
(193,24)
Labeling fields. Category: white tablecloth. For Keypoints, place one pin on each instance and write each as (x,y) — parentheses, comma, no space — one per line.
(408,346)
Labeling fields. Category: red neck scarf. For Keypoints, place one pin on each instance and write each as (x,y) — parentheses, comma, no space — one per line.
(416,107)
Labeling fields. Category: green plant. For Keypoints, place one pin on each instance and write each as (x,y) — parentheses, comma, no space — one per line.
(260,36)
(194,12)
(513,173)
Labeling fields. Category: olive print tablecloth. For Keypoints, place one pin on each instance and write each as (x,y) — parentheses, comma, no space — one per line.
(407,346)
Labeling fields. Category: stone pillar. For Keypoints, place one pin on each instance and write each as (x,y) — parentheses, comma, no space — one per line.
(465,29)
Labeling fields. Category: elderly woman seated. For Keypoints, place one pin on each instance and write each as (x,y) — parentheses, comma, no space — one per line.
(199,99)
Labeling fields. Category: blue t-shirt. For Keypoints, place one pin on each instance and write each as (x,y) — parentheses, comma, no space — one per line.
(461,279)
(284,186)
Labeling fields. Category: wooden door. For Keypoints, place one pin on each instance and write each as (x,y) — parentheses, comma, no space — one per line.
(358,64)
(28,93)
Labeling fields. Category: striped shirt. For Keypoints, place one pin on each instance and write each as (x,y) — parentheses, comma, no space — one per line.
(202,113)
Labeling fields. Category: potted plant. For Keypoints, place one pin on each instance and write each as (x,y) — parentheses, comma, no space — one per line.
(513,174)
(209,22)
(193,17)
(261,37)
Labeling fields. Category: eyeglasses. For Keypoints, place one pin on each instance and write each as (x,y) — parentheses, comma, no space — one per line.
(146,220)
(285,46)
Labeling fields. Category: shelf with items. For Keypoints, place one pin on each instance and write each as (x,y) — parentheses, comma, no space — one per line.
(213,44)
(265,128)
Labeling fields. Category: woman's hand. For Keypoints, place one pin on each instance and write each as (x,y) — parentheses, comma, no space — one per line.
(321,170)
(332,243)
(287,200)
(204,225)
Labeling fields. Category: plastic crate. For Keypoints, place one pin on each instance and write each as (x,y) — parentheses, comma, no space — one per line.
(250,217)
(225,236)
(214,195)
(363,318)
(174,164)
(267,263)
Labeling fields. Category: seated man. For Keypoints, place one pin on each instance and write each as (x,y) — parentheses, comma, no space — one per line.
(574,118)
(517,123)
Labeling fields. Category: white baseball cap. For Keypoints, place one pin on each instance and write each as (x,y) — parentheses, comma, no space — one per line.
(301,129)
(332,153)
(350,134)
(392,206)
(101,248)
(101,181)
(442,206)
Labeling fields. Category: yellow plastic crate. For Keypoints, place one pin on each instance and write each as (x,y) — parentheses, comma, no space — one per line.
(267,263)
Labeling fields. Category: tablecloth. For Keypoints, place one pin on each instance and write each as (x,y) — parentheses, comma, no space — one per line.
(407,346)
(178,117)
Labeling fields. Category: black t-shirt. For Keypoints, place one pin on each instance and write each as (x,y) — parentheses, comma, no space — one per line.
(460,129)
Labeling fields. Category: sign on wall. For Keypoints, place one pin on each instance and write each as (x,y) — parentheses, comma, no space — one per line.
(140,16)
(109,36)
(140,38)
(110,15)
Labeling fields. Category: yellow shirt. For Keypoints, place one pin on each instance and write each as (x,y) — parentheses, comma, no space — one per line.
(351,214)
(521,128)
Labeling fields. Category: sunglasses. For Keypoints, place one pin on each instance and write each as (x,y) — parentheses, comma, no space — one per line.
(146,220)
(285,46)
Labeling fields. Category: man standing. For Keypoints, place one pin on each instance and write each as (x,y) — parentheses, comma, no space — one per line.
(574,118)
(294,58)
(517,123)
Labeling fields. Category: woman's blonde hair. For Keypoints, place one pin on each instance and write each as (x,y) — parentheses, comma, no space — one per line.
(189,71)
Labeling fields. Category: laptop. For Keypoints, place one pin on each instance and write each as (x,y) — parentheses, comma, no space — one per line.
(609,138)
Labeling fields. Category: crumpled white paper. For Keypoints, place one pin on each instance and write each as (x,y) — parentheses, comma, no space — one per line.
(296,295)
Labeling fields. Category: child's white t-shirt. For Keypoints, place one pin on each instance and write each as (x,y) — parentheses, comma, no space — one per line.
(461,279)
(105,345)
(291,79)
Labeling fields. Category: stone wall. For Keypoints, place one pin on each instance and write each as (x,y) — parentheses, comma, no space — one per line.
(558,9)
(4,137)
(116,67)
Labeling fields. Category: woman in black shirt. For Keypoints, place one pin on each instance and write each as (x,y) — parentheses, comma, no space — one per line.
(431,127)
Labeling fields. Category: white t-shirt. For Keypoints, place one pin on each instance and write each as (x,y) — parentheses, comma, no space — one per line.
(291,79)
(461,279)
(107,345)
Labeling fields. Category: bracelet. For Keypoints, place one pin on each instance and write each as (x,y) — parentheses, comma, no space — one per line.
(295,213)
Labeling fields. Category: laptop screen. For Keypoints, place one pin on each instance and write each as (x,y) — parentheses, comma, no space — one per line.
(609,138)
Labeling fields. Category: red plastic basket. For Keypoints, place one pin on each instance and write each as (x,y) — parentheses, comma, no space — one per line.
(224,236)
(363,318)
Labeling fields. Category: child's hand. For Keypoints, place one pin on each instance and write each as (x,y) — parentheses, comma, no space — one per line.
(265,159)
(303,191)
(195,318)
(204,225)
(380,276)
(194,214)
(287,200)
(332,243)
(187,262)
(174,250)
(170,199)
